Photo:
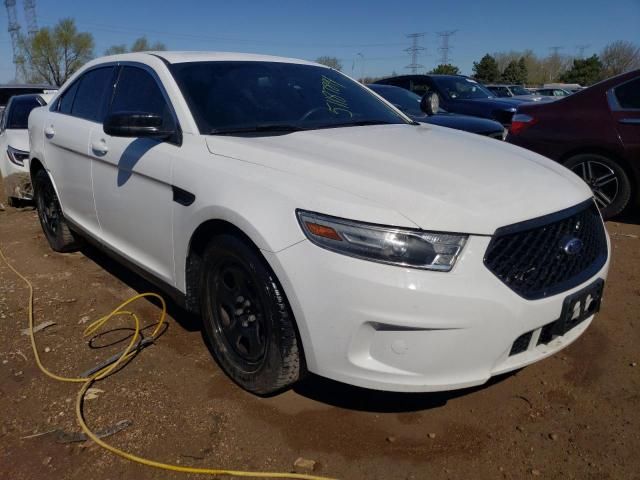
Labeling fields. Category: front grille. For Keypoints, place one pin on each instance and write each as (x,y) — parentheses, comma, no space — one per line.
(538,258)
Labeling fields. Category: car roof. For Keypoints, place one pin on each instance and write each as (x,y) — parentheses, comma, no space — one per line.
(45,96)
(189,56)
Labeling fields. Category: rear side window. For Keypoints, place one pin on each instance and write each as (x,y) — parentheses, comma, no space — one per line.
(89,102)
(66,100)
(19,110)
(138,91)
(628,95)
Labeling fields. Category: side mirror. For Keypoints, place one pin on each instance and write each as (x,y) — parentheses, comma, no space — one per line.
(136,124)
(430,103)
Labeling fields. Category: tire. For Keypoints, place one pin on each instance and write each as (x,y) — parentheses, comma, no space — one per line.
(54,226)
(607,179)
(247,319)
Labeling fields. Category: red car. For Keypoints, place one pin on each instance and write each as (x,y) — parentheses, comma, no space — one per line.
(595,133)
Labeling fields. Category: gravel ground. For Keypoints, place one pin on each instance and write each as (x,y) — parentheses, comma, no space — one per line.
(575,415)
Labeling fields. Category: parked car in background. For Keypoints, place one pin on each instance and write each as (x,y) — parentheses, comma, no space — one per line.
(315,227)
(515,91)
(569,87)
(8,91)
(459,94)
(552,92)
(409,103)
(14,145)
(595,133)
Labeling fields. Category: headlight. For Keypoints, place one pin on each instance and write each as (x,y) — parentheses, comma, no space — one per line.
(16,156)
(396,246)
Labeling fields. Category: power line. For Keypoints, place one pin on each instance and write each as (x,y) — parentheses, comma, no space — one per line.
(445,48)
(413,50)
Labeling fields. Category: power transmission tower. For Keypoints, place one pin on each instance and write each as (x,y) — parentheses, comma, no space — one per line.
(14,30)
(30,16)
(555,50)
(444,46)
(413,50)
(581,49)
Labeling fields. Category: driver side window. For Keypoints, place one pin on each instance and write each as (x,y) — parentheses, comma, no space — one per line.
(138,91)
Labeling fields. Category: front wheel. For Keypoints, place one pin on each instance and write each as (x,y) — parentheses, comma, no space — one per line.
(608,181)
(54,226)
(247,318)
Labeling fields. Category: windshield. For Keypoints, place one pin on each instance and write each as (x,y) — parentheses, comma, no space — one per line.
(518,90)
(461,88)
(19,111)
(236,97)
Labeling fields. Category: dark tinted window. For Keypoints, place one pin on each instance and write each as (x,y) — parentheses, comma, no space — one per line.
(90,97)
(628,95)
(65,102)
(19,111)
(137,91)
(249,95)
(7,93)
(398,82)
(420,86)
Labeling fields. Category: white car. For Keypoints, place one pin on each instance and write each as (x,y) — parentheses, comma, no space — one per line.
(14,145)
(313,226)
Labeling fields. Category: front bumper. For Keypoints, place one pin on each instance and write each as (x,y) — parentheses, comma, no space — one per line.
(390,328)
(17,182)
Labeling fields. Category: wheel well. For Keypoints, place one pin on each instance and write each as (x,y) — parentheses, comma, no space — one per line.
(609,154)
(34,166)
(197,245)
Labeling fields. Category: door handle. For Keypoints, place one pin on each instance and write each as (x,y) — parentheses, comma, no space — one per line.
(49,132)
(99,148)
(629,121)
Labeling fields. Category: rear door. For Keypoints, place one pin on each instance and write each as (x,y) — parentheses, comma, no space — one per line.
(132,177)
(625,107)
(67,130)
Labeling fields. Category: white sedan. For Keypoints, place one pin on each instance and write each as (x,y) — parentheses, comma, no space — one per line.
(14,145)
(313,226)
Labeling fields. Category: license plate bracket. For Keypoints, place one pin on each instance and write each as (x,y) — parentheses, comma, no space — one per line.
(576,308)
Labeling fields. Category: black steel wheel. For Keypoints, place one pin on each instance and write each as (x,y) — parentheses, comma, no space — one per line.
(54,226)
(607,179)
(247,319)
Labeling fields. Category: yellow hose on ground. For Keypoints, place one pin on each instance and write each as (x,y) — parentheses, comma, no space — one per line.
(129,352)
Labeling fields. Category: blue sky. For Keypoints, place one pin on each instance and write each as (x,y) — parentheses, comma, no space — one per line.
(376,29)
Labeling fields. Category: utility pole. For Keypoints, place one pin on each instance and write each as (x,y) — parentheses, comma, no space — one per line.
(444,46)
(413,50)
(361,55)
(555,51)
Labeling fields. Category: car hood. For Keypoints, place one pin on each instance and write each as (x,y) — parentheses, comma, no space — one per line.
(502,102)
(462,122)
(18,139)
(438,178)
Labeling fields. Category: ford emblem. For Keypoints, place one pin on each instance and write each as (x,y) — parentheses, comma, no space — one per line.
(572,246)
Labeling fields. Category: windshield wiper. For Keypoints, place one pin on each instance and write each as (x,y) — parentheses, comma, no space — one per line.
(358,123)
(263,128)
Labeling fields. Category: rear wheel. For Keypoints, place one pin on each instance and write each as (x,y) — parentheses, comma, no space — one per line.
(608,181)
(247,318)
(54,226)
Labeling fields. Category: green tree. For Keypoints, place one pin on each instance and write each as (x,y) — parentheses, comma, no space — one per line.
(515,72)
(52,55)
(331,62)
(445,69)
(486,70)
(584,71)
(524,71)
(140,44)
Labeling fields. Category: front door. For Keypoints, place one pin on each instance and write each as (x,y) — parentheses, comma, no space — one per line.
(132,177)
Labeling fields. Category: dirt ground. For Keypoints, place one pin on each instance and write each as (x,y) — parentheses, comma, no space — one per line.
(575,415)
